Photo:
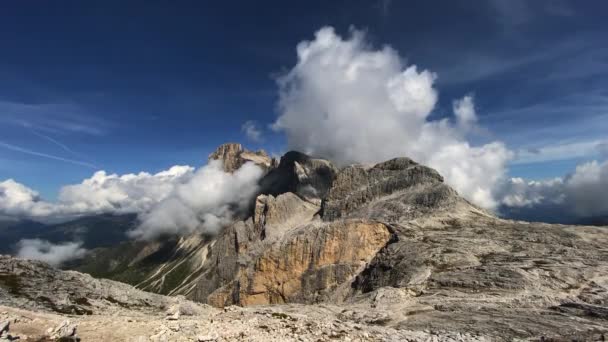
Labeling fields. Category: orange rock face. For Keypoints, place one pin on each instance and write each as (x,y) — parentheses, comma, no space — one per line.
(312,261)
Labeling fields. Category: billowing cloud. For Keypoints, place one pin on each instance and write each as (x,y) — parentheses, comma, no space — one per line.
(579,194)
(252,131)
(53,254)
(17,200)
(206,202)
(127,193)
(349,102)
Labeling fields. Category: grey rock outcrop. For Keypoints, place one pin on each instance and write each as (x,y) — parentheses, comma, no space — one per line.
(35,285)
(396,190)
(300,174)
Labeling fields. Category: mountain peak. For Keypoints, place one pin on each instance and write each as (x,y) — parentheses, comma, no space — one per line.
(233,156)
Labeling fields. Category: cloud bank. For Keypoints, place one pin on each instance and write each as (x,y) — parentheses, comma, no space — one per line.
(102,193)
(180,200)
(349,102)
(579,194)
(53,254)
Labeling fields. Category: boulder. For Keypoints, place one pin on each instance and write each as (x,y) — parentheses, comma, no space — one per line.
(66,331)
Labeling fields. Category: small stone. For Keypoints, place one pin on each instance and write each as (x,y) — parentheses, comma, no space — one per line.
(207,338)
(4,326)
(173,317)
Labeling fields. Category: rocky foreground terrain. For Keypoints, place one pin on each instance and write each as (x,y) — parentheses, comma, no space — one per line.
(36,300)
(363,252)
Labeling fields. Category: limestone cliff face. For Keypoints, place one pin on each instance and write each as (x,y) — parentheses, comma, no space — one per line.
(312,262)
(305,266)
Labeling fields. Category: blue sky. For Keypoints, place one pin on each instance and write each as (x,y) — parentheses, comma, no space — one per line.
(141,86)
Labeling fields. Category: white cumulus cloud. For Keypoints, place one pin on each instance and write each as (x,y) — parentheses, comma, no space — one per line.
(53,254)
(206,202)
(349,102)
(18,200)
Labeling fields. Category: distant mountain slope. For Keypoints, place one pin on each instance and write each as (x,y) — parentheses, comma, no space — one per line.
(159,266)
(11,231)
(93,231)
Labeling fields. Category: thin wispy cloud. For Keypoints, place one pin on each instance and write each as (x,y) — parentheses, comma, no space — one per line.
(564,151)
(58,143)
(560,128)
(54,141)
(45,155)
(562,59)
(53,117)
(513,15)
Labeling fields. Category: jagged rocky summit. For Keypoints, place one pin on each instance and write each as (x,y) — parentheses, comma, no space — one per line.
(390,241)
(233,156)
